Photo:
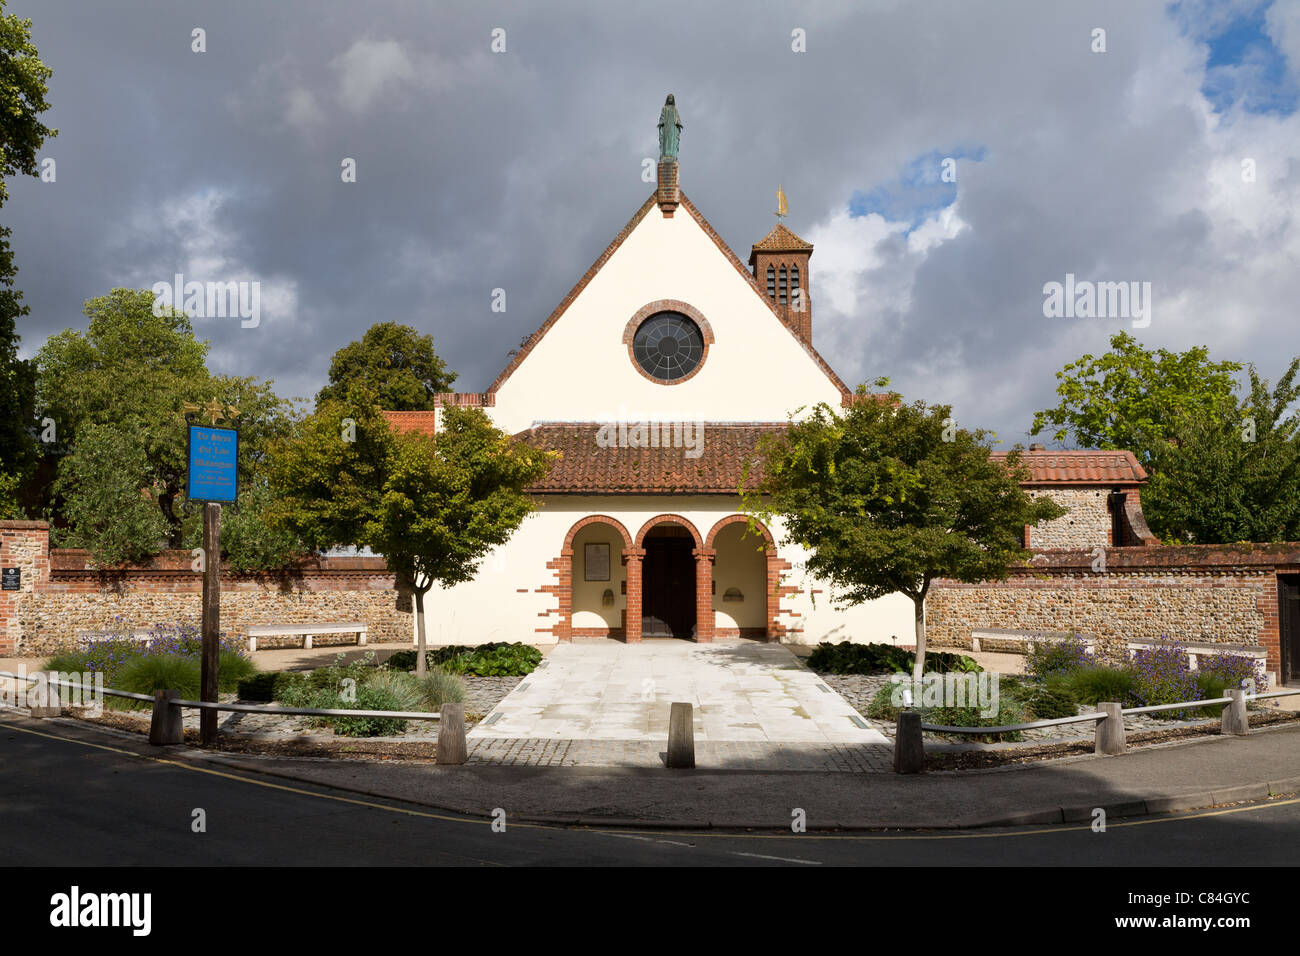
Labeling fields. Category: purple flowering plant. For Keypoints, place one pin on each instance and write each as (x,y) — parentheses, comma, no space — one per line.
(1163,675)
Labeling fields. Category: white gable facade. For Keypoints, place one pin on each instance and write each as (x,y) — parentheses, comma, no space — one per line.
(639,531)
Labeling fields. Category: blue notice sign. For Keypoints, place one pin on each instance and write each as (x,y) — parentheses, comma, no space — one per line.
(214,454)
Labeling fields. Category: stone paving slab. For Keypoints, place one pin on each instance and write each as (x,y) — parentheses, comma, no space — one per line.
(709,755)
(603,703)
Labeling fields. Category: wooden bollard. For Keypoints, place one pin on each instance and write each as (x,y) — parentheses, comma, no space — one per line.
(1110,738)
(909,748)
(1234,721)
(168,724)
(452,748)
(681,737)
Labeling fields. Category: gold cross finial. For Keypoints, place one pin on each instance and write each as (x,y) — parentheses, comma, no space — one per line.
(781,208)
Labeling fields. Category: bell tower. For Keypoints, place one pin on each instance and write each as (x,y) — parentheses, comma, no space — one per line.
(780,264)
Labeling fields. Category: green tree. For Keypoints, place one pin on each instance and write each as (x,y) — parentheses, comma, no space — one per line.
(132,371)
(433,507)
(886,497)
(1235,475)
(22,99)
(1130,397)
(109,497)
(395,362)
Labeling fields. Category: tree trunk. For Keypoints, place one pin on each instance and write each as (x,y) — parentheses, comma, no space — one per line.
(166,503)
(918,668)
(421,666)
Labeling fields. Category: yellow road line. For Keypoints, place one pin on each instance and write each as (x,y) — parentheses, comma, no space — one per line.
(1045,829)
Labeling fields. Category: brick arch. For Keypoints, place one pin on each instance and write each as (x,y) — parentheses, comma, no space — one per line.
(562,565)
(596,519)
(733,519)
(668,519)
(775,566)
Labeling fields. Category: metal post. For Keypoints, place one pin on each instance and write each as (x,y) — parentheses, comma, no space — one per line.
(211,620)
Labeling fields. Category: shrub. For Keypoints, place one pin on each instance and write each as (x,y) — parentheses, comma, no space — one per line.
(232,668)
(1057,657)
(154,672)
(1010,711)
(402,687)
(268,685)
(438,688)
(1049,700)
(1163,675)
(367,698)
(486,660)
(1234,669)
(882,706)
(1096,683)
(849,658)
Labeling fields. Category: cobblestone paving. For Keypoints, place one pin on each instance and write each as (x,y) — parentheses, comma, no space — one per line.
(709,755)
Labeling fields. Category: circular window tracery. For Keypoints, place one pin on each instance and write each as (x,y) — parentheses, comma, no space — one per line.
(668,346)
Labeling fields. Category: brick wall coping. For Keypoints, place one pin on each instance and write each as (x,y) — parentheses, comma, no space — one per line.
(24,526)
(1182,557)
(69,561)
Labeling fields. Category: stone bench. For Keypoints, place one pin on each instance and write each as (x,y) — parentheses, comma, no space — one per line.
(306,631)
(1028,638)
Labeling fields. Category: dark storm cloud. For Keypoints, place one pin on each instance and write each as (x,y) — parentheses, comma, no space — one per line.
(479,171)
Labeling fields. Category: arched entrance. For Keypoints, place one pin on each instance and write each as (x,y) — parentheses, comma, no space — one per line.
(746,579)
(674,601)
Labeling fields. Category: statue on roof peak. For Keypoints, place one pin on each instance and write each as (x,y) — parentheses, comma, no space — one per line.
(670,129)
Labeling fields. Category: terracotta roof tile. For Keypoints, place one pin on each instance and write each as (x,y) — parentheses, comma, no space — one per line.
(588,465)
(1080,467)
(781,239)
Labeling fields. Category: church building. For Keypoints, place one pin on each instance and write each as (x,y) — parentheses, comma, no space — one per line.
(655,378)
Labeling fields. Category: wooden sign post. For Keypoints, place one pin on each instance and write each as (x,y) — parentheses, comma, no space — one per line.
(213,478)
(211,628)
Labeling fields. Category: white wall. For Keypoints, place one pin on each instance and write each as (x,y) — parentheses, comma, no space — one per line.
(580,370)
(491,607)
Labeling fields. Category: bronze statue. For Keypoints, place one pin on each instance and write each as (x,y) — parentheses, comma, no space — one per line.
(670,129)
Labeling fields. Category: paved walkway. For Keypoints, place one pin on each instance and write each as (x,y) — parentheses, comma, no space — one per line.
(599,703)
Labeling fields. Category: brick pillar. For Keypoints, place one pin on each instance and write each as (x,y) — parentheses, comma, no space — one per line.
(632,557)
(24,545)
(704,618)
(668,195)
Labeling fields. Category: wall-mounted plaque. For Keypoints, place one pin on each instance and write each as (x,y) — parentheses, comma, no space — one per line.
(595,562)
(11,579)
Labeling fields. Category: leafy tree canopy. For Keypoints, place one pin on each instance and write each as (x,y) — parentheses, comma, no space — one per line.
(434,507)
(886,497)
(1130,397)
(395,362)
(23,79)
(1234,475)
(128,375)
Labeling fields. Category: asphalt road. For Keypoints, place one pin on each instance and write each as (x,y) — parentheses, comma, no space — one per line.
(70,800)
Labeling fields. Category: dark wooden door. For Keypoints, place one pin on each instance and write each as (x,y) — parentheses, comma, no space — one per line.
(1288,619)
(668,588)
